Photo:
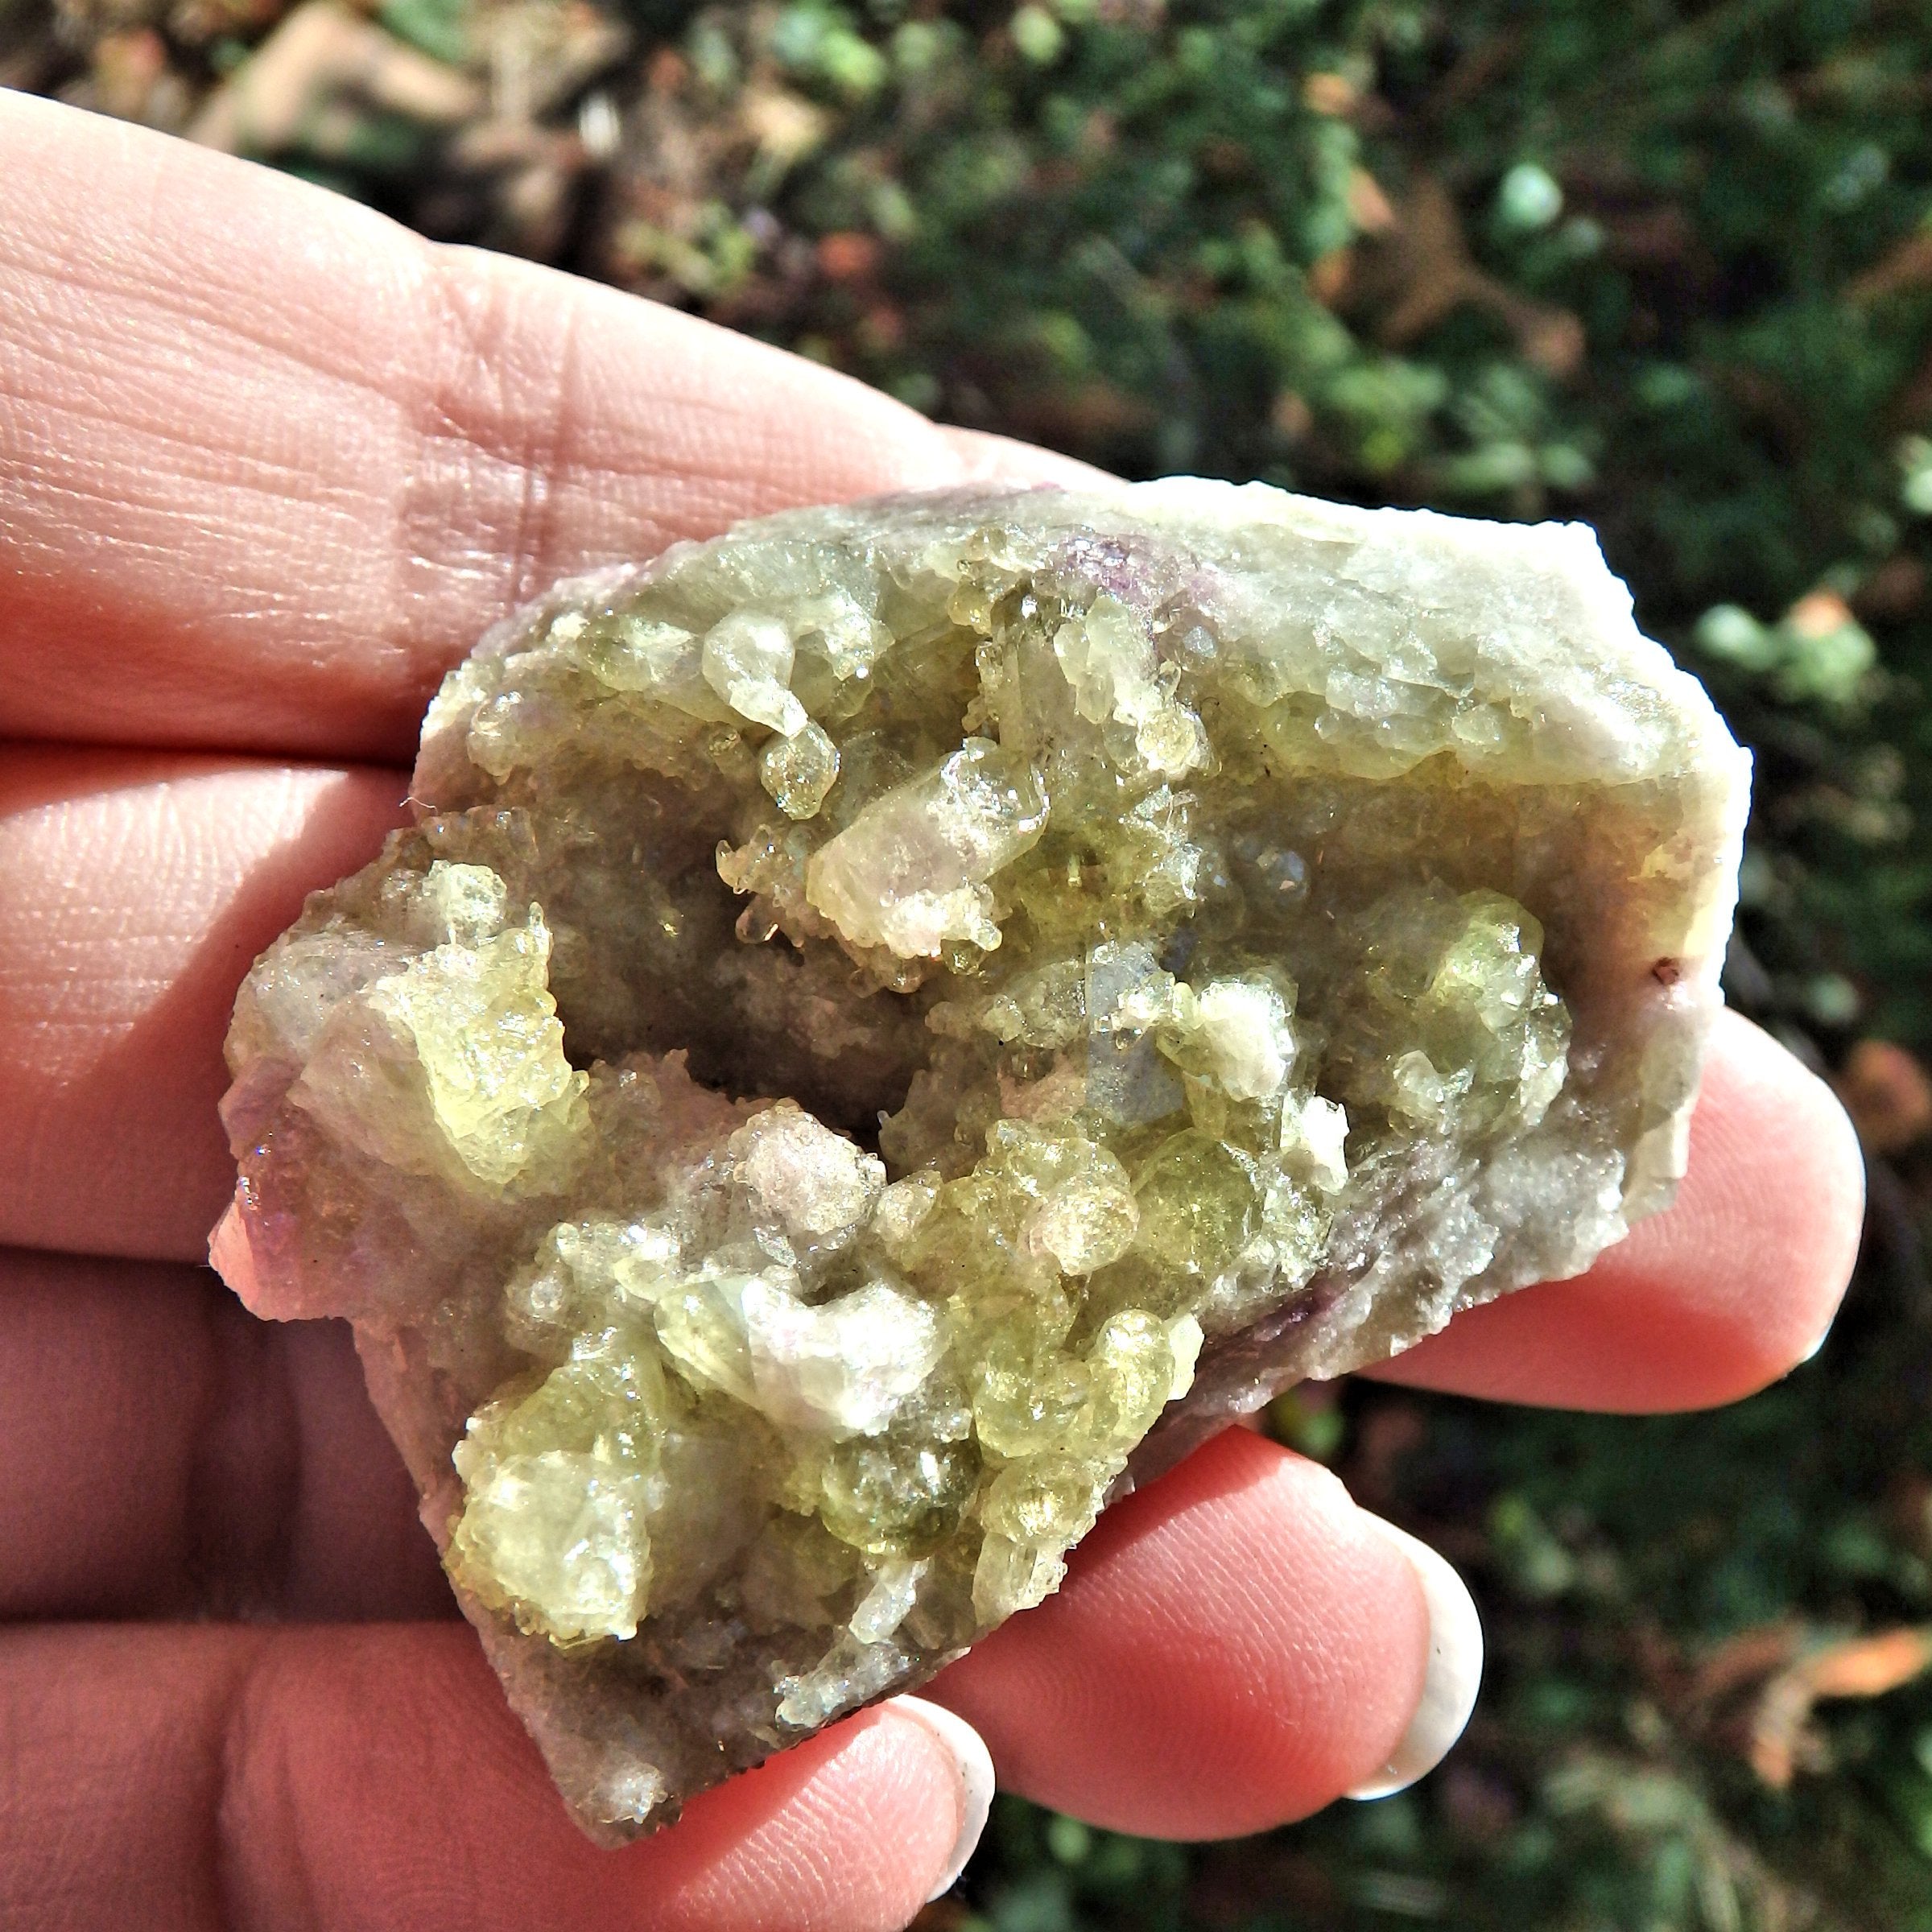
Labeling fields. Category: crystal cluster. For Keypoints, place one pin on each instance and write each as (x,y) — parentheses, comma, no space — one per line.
(889,1024)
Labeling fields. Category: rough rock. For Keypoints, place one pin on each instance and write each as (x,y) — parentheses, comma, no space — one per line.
(890,1024)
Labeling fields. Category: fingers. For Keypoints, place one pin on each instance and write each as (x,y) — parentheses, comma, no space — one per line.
(1728,1290)
(166,1454)
(269,464)
(133,894)
(1236,1646)
(373,1778)
(135,890)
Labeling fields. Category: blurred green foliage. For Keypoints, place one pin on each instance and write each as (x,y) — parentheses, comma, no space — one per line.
(1665,266)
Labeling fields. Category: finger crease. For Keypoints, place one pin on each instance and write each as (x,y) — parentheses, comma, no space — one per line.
(257,1818)
(245,1487)
(503,436)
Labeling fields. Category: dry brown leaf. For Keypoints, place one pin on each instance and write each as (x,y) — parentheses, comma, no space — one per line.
(1423,272)
(1743,1659)
(1782,1740)
(1329,94)
(1908,266)
(1868,1667)
(1368,207)
(323,57)
(1888,1094)
(848,256)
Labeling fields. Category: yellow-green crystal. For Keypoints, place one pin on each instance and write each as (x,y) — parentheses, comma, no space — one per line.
(889,1024)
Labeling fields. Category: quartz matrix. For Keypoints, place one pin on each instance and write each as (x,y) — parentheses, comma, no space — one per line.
(889,1024)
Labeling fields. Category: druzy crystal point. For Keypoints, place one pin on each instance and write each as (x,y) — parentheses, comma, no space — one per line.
(890,1024)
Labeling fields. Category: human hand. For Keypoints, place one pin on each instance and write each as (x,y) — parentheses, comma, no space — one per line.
(268,465)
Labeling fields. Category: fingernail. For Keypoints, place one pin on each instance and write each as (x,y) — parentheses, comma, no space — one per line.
(1454,1676)
(1824,1336)
(974,1766)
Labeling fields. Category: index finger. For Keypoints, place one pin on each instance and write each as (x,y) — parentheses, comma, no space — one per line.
(270,463)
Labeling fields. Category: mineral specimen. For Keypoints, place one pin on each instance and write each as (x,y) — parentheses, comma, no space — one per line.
(891,1023)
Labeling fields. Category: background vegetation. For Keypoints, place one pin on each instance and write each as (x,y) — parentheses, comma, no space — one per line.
(1663,266)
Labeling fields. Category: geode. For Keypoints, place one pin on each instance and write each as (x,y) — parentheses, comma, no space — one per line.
(890,1024)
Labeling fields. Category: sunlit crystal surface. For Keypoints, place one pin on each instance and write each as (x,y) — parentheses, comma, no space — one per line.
(890,1024)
